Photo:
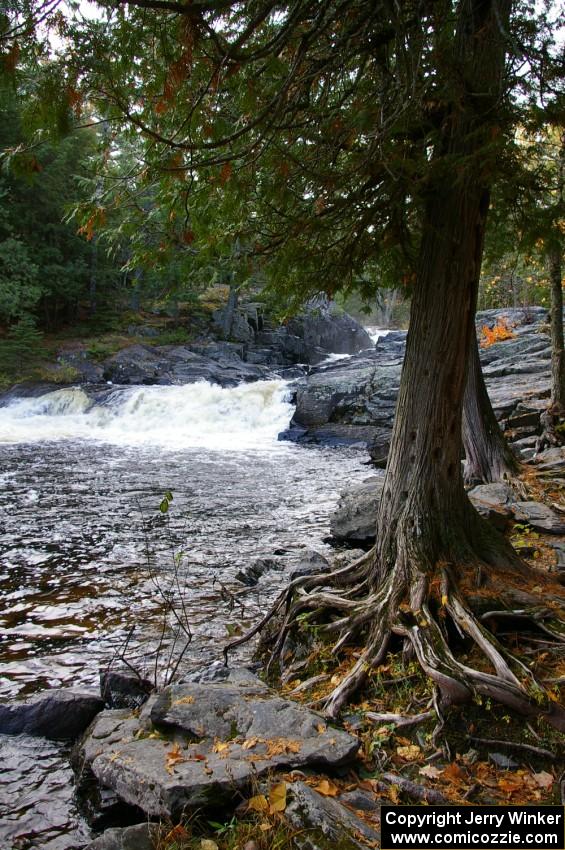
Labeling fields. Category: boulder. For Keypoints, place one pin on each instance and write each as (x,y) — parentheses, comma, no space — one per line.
(493,502)
(324,823)
(250,575)
(355,516)
(57,714)
(205,742)
(123,688)
(323,326)
(141,836)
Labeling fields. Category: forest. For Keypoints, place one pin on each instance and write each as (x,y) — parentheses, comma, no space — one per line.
(164,163)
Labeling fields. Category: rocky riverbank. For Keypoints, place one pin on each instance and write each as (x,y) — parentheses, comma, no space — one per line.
(255,349)
(353,401)
(220,744)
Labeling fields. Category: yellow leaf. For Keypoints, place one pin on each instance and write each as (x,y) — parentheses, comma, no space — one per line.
(258,803)
(327,788)
(265,826)
(321,727)
(277,798)
(444,599)
(393,794)
(249,743)
(184,700)
(410,753)
(208,844)
(221,746)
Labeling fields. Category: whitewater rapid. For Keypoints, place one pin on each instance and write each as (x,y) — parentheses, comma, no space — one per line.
(199,415)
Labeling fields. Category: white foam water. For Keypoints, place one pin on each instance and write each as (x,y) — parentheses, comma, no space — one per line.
(199,415)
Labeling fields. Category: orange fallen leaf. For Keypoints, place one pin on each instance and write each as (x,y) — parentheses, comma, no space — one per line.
(453,772)
(280,746)
(177,833)
(174,756)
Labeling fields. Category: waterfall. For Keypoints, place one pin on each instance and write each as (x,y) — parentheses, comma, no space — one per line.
(199,415)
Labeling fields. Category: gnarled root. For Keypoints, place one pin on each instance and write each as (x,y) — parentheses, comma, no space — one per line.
(423,606)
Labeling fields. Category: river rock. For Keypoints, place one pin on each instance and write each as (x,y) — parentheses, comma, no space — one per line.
(541,517)
(356,514)
(206,741)
(123,688)
(324,823)
(141,836)
(57,714)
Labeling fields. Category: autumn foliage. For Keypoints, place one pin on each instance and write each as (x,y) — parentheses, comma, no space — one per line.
(498,333)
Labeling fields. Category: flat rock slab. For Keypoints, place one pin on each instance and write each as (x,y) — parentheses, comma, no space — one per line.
(206,741)
(540,517)
(57,714)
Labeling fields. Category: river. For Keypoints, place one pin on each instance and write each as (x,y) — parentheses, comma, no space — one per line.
(83,545)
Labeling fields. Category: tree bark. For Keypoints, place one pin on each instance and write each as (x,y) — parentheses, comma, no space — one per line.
(424,515)
(488,457)
(557,347)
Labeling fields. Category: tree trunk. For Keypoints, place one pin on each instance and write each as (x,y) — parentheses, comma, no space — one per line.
(424,512)
(557,348)
(488,457)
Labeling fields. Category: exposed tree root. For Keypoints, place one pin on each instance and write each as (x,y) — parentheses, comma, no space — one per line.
(425,607)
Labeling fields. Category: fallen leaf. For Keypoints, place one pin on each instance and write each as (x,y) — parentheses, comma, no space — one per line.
(453,772)
(249,743)
(188,700)
(177,833)
(430,771)
(327,788)
(277,798)
(544,779)
(197,757)
(208,844)
(174,756)
(510,784)
(221,746)
(321,728)
(405,742)
(265,826)
(393,794)
(280,746)
(410,753)
(258,803)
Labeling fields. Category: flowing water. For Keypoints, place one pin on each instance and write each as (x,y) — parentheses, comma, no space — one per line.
(84,548)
